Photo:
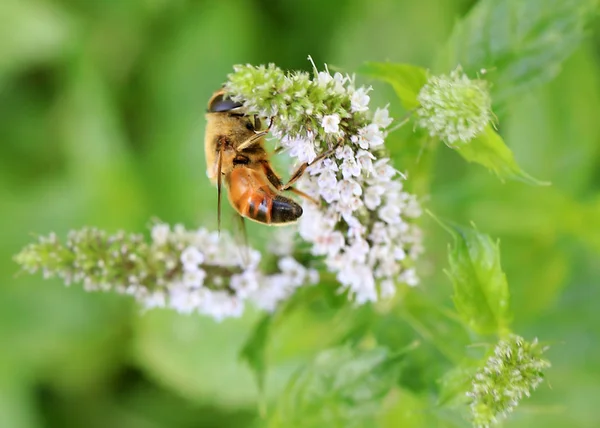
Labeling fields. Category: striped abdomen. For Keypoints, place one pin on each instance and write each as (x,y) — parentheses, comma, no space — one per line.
(252,196)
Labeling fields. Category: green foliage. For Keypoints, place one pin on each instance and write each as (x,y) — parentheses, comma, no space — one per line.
(343,387)
(406,79)
(521,44)
(254,351)
(481,293)
(488,149)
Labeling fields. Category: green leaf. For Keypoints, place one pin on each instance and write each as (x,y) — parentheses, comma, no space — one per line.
(254,350)
(489,150)
(481,294)
(434,323)
(455,383)
(343,387)
(407,80)
(521,43)
(407,409)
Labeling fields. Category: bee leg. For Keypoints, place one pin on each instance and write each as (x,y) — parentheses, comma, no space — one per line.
(300,171)
(278,184)
(251,140)
(303,195)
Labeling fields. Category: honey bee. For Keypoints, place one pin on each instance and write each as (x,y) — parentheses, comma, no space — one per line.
(236,156)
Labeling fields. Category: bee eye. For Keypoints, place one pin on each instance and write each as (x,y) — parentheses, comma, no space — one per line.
(249,126)
(222,104)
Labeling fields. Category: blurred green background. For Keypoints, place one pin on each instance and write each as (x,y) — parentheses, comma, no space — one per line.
(101,123)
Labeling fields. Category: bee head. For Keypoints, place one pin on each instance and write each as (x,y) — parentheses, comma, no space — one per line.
(220,103)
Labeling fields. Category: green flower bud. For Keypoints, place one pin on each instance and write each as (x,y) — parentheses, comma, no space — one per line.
(515,368)
(453,107)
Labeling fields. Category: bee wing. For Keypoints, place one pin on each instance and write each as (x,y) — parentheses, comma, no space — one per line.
(219,185)
(242,238)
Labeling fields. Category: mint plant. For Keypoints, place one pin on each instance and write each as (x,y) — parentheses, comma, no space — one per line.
(361,249)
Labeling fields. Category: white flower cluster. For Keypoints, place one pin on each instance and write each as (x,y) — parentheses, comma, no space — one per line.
(207,256)
(454,107)
(208,274)
(364,230)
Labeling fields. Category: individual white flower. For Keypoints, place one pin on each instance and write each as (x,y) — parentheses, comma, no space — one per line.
(295,271)
(383,171)
(344,152)
(365,159)
(360,280)
(409,277)
(329,243)
(303,149)
(348,206)
(194,278)
(359,101)
(339,81)
(323,79)
(311,224)
(327,179)
(324,165)
(331,123)
(382,118)
(184,300)
(191,258)
(245,283)
(330,194)
(399,253)
(390,214)
(273,290)
(160,233)
(248,258)
(373,196)
(358,251)
(369,136)
(356,230)
(350,168)
(349,188)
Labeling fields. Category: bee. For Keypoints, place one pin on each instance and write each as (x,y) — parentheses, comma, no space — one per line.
(236,157)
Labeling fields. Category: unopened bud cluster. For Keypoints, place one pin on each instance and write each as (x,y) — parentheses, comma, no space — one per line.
(453,107)
(515,368)
(364,227)
(189,271)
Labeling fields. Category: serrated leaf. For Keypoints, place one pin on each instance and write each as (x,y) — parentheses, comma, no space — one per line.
(521,43)
(342,387)
(406,79)
(481,294)
(488,149)
(254,350)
